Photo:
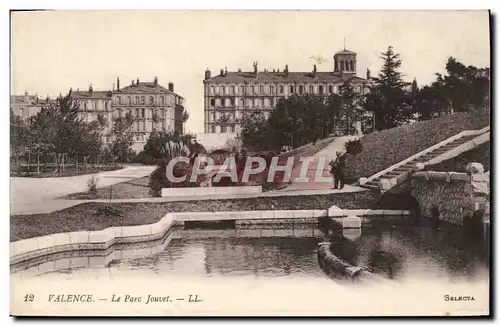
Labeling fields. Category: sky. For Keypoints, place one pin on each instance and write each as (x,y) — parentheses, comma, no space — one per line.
(53,51)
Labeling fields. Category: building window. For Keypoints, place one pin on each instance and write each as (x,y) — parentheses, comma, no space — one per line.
(143,113)
(232,101)
(330,89)
(94,104)
(162,112)
(222,129)
(261,89)
(137,112)
(233,90)
(212,129)
(272,89)
(320,89)
(143,100)
(137,100)
(223,90)
(242,89)
(282,89)
(252,90)
(85,106)
(129,100)
(291,89)
(212,102)
(119,100)
(106,105)
(342,65)
(311,89)
(212,90)
(301,89)
(232,128)
(162,99)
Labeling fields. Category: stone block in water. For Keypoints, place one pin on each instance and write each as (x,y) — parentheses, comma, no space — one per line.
(351,234)
(351,222)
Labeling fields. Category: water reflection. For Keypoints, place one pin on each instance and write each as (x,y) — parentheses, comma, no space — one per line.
(277,251)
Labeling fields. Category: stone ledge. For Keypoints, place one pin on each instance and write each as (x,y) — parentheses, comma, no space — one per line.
(210,191)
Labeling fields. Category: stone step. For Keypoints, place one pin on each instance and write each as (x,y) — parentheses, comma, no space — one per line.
(371,187)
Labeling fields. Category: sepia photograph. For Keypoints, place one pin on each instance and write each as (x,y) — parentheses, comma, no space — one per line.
(250,163)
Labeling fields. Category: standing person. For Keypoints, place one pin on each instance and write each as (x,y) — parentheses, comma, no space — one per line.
(333,170)
(339,170)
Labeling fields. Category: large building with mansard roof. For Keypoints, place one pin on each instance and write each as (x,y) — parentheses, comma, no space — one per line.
(152,106)
(229,95)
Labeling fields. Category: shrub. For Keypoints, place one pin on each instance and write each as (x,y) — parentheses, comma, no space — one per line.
(158,179)
(92,184)
(353,147)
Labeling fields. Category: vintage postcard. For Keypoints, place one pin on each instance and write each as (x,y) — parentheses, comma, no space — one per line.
(250,163)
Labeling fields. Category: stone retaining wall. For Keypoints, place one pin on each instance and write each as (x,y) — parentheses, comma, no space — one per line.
(210,191)
(455,195)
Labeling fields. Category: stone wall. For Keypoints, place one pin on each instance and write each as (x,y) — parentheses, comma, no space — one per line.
(455,195)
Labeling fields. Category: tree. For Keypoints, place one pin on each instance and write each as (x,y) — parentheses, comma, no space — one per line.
(123,137)
(467,87)
(388,96)
(255,131)
(351,107)
(19,137)
(56,129)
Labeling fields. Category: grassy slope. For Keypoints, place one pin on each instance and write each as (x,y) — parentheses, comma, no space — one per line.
(388,147)
(82,217)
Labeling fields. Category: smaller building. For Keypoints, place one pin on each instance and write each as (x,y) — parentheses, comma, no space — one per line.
(26,106)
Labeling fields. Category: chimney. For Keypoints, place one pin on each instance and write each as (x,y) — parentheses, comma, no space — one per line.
(156,81)
(113,87)
(171,86)
(208,74)
(137,81)
(133,82)
(225,71)
(314,71)
(117,83)
(239,69)
(368,74)
(255,68)
(90,89)
(222,72)
(286,70)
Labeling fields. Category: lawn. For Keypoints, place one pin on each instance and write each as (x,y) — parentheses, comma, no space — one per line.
(136,188)
(385,148)
(85,217)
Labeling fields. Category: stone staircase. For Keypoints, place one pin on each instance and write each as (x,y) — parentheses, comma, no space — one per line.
(400,172)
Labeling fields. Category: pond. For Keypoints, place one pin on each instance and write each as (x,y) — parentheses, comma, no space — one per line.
(282,262)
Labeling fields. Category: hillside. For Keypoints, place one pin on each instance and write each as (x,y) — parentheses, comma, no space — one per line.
(385,148)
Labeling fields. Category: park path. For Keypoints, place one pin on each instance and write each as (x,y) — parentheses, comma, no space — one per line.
(318,166)
(29,193)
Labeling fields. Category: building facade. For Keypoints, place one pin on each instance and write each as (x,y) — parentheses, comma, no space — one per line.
(152,106)
(230,95)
